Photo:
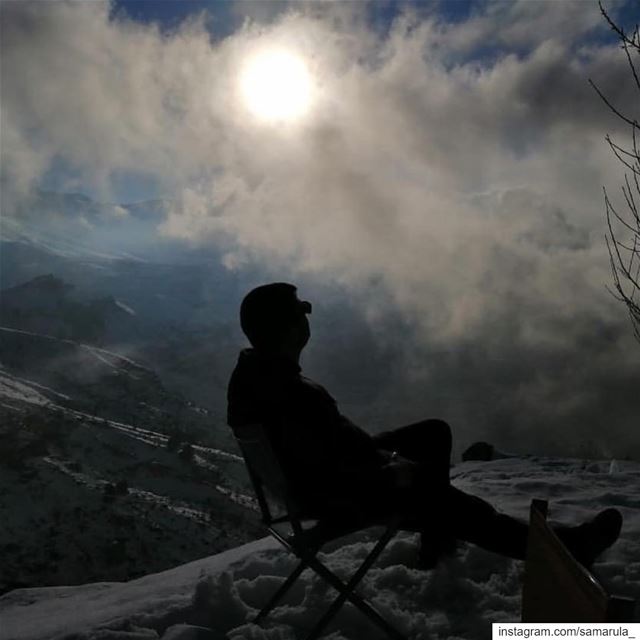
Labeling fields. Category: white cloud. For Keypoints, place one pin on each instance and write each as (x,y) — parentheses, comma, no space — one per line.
(470,188)
(525,24)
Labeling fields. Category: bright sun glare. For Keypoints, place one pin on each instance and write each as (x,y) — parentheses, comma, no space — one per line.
(276,86)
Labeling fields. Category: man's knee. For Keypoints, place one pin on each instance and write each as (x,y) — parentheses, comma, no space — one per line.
(441,431)
(428,437)
(434,432)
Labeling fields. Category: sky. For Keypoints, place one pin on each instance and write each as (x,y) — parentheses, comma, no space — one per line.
(448,157)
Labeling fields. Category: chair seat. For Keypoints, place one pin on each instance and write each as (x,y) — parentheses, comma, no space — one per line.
(318,532)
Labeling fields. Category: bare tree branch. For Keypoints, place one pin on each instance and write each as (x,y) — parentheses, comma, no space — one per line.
(633,42)
(633,123)
(623,224)
(618,152)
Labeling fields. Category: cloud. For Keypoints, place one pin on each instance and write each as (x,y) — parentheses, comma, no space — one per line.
(467,185)
(104,95)
(524,24)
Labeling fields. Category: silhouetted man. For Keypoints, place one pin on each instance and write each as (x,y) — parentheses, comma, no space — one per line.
(337,469)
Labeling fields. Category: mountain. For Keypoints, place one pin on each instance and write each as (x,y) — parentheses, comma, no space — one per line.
(108,465)
(213,598)
(46,305)
(72,225)
(180,309)
(116,345)
(86,497)
(151,306)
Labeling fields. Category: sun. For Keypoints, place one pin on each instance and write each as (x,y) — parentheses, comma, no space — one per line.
(276,86)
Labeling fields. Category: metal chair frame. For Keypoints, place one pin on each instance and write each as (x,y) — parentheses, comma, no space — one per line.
(305,542)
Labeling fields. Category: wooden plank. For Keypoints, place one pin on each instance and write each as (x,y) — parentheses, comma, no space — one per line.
(556,587)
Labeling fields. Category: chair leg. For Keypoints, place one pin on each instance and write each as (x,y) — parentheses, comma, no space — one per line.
(286,585)
(368,610)
(346,591)
(352,597)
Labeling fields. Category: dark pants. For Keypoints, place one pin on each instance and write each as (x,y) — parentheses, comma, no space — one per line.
(437,509)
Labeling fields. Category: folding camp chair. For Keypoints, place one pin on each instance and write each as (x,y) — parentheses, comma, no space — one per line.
(304,537)
(559,589)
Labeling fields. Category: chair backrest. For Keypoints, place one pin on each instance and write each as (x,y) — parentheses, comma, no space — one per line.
(265,470)
(557,588)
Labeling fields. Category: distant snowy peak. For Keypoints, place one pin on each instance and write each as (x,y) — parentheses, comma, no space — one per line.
(65,239)
(45,284)
(79,206)
(73,226)
(44,293)
(44,305)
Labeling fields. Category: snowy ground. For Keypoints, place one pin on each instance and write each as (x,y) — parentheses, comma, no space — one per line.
(459,599)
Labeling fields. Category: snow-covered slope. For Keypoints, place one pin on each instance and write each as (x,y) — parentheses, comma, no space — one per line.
(459,599)
(106,471)
(87,497)
(106,383)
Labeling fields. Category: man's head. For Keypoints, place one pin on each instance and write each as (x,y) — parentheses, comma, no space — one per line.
(274,319)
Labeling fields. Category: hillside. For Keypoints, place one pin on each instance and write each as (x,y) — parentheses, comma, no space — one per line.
(105,473)
(46,305)
(108,464)
(459,599)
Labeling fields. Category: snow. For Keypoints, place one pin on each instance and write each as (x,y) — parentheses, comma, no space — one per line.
(55,611)
(213,598)
(57,243)
(31,383)
(14,389)
(125,308)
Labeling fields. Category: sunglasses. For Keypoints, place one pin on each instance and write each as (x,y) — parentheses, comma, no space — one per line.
(304,306)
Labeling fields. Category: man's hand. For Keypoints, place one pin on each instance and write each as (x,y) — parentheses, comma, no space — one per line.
(404,471)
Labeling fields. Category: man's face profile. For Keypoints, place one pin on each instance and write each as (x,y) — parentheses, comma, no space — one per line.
(274,318)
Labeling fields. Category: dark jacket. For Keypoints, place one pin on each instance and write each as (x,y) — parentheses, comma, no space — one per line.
(331,462)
